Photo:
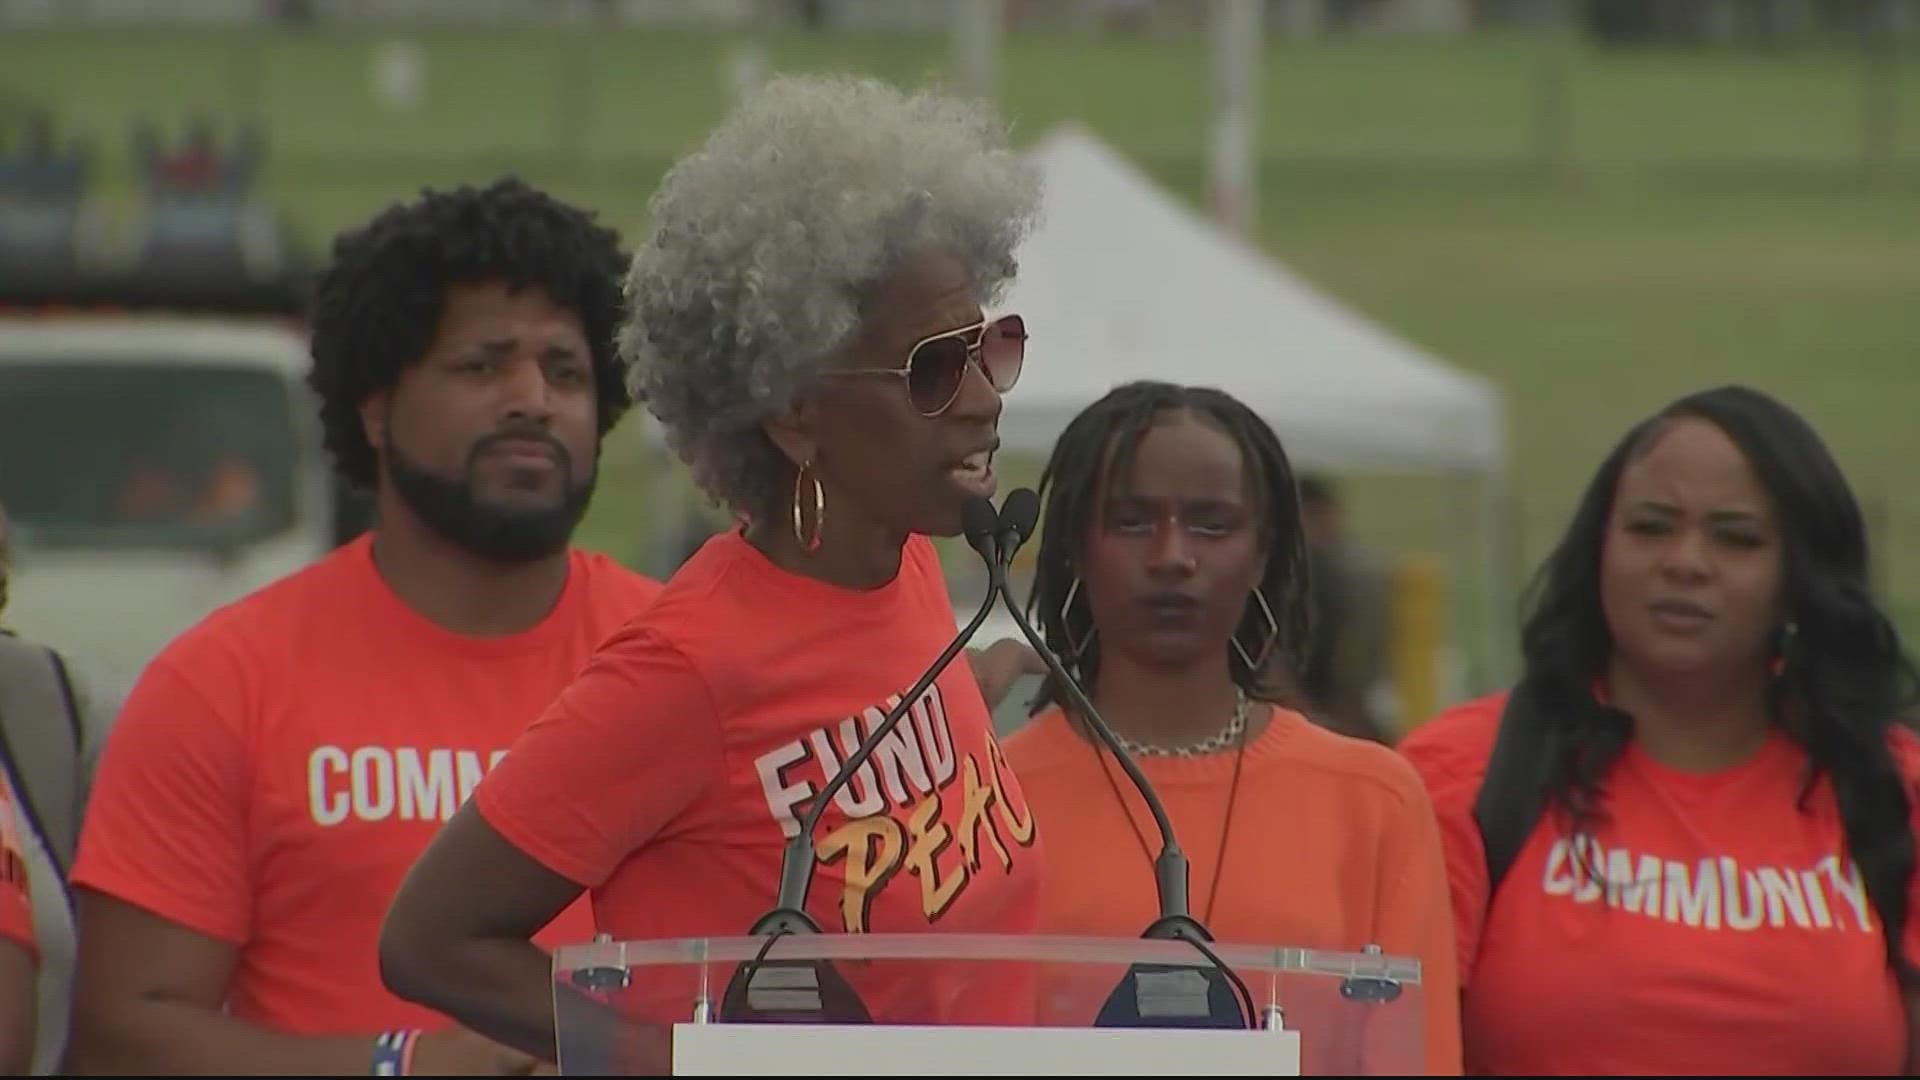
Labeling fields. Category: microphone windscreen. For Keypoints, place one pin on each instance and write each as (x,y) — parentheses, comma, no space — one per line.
(1021,512)
(979,521)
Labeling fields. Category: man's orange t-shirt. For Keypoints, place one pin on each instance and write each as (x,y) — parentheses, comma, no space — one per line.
(1333,846)
(668,778)
(16,898)
(279,767)
(1712,924)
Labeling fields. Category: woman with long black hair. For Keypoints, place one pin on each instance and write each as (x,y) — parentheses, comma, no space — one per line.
(1684,842)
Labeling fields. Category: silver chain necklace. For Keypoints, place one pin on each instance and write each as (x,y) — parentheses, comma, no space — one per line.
(1219,740)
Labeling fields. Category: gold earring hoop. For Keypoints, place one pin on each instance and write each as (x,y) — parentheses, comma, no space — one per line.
(808,542)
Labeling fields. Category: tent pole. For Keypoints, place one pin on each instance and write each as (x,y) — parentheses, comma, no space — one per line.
(1500,559)
(1239,41)
(978,26)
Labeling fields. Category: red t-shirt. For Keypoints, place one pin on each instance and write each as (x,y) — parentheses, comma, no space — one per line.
(278,769)
(1724,932)
(669,775)
(16,900)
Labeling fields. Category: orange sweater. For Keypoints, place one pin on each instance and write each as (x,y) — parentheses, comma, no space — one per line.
(1334,846)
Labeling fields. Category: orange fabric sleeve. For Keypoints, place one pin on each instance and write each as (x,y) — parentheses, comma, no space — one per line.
(1450,753)
(166,825)
(627,747)
(1415,919)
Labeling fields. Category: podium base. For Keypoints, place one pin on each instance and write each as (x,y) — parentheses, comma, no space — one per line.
(913,1050)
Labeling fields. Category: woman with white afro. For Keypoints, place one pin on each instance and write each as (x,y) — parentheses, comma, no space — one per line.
(811,321)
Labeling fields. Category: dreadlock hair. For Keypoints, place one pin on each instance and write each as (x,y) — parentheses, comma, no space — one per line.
(1103,438)
(1843,682)
(377,305)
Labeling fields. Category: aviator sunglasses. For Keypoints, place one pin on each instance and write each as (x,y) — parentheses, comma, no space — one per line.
(937,365)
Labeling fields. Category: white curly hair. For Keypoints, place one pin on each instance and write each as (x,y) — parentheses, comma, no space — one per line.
(763,244)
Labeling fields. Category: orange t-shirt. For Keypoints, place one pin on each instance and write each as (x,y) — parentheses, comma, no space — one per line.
(1333,846)
(669,776)
(16,899)
(1719,930)
(279,767)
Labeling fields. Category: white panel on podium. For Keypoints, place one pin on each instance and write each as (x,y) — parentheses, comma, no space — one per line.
(926,1050)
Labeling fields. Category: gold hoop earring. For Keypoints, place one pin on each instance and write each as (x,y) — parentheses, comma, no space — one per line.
(808,543)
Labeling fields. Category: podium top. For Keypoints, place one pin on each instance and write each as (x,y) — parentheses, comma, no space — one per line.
(1248,959)
(620,1003)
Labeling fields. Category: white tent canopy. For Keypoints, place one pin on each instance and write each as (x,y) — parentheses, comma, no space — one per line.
(1120,281)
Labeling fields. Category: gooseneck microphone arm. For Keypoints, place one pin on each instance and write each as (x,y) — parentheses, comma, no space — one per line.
(1017,519)
(1018,516)
(981,524)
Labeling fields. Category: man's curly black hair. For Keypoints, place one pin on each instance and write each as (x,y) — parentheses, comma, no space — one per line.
(377,305)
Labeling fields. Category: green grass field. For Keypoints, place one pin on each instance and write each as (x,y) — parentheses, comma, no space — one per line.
(1711,219)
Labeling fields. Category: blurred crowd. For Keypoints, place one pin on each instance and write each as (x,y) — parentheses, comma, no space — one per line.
(196,208)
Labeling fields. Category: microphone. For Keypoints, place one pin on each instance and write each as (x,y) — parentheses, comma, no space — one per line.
(980,523)
(1018,516)
(1022,511)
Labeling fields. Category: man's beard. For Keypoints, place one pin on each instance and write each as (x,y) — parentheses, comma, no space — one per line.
(495,533)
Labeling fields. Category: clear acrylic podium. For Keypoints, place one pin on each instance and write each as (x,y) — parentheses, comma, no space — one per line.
(981,1005)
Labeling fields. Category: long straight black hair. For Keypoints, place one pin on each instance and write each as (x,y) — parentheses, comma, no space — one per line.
(1844,681)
